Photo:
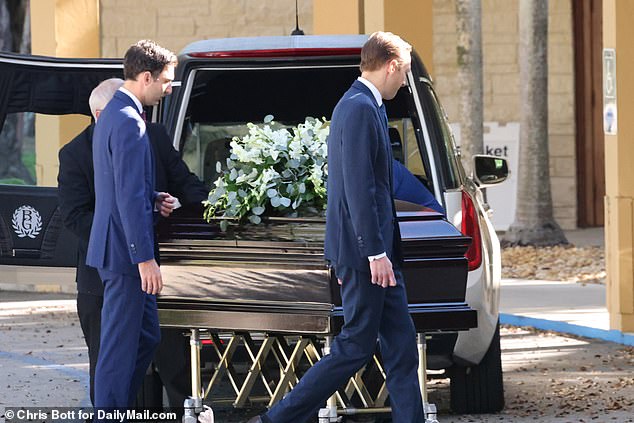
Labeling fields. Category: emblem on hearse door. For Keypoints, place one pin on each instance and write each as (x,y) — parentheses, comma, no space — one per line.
(27,222)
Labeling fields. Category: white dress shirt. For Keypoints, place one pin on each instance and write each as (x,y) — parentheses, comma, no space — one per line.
(127,92)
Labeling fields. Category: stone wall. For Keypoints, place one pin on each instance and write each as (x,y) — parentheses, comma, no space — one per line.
(500,38)
(174,24)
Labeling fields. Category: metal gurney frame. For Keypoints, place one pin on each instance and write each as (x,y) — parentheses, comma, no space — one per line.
(290,333)
(271,280)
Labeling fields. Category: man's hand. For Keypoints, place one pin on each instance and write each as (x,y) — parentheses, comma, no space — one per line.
(382,272)
(151,280)
(165,203)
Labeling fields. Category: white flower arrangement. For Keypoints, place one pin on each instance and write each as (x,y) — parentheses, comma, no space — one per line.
(272,172)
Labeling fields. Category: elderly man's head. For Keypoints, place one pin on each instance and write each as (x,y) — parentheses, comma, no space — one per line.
(102,94)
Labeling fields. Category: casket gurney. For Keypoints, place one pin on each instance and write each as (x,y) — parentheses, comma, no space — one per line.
(266,289)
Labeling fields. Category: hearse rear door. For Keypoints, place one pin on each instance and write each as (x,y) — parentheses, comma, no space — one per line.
(31,230)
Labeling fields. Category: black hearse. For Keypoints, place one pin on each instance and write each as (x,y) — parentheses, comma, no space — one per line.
(264,289)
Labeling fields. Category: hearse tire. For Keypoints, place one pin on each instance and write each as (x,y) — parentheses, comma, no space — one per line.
(479,389)
(150,393)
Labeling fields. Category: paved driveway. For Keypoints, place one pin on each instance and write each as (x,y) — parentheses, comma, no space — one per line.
(548,377)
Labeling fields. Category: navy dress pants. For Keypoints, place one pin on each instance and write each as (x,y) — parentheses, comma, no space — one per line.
(129,336)
(89,312)
(172,356)
(370,312)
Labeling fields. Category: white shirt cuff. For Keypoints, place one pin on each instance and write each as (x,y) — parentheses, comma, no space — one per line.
(378,256)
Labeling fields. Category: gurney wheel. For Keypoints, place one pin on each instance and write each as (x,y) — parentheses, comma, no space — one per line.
(151,391)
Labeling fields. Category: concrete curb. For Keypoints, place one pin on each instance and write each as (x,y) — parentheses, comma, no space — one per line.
(564,327)
(40,288)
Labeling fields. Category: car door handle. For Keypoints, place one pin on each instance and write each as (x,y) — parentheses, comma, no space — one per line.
(26,253)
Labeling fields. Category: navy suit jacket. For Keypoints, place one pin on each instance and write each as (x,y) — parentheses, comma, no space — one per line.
(408,188)
(122,232)
(77,191)
(360,216)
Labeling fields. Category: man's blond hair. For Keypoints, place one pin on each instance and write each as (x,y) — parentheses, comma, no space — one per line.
(380,48)
(102,94)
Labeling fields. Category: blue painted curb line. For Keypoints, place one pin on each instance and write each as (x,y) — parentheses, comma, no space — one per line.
(564,327)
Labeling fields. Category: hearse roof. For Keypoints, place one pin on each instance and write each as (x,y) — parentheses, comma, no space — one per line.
(292,42)
(291,47)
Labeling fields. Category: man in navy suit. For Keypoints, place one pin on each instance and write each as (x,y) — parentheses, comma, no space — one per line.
(77,205)
(121,244)
(362,245)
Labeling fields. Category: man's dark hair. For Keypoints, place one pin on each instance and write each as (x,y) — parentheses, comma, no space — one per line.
(146,56)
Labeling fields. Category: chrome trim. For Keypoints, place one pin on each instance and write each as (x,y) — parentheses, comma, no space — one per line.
(61,64)
(291,323)
(183,109)
(275,67)
(426,137)
(425,80)
(154,114)
(405,141)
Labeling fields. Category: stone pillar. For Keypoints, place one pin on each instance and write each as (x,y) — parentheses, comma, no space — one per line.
(618,33)
(374,15)
(411,19)
(338,17)
(59,28)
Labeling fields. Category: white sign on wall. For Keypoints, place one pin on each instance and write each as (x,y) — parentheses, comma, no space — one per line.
(609,92)
(501,140)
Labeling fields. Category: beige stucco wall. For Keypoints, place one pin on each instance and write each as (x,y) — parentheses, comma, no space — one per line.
(61,29)
(350,19)
(619,150)
(174,24)
(500,38)
(411,19)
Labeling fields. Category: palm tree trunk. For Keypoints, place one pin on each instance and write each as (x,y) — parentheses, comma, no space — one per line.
(469,54)
(6,39)
(15,36)
(534,222)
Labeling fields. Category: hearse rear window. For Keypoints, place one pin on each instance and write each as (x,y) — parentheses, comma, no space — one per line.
(17,147)
(223,101)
